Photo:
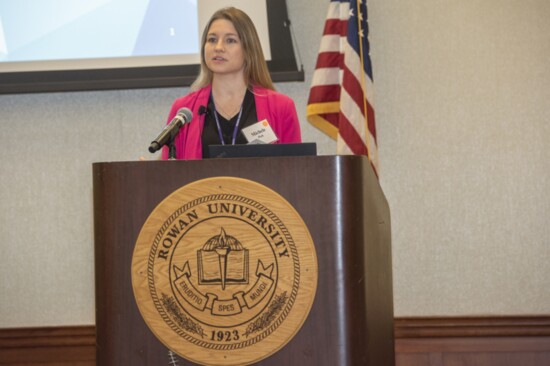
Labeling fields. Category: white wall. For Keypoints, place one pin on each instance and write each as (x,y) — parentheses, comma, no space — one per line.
(461,90)
(462,106)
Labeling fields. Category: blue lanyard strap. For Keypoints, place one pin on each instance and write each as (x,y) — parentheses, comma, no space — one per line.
(235,130)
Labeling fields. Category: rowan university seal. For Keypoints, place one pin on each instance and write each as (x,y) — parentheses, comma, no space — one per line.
(224,271)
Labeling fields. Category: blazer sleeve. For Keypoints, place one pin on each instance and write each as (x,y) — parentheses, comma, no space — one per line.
(287,123)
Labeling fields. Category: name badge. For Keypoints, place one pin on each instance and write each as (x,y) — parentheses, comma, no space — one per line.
(259,133)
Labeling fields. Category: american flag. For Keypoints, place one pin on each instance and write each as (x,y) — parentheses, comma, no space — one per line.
(340,98)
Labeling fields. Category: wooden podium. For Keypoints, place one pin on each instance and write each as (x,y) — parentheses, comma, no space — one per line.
(344,208)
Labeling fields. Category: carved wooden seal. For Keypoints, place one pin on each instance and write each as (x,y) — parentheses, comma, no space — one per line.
(224,271)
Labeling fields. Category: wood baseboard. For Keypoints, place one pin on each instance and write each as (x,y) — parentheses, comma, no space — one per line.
(48,346)
(473,341)
(460,327)
(436,341)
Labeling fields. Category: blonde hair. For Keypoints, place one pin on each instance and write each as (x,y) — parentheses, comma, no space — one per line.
(255,66)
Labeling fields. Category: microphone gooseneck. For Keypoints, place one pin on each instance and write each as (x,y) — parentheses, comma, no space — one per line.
(169,132)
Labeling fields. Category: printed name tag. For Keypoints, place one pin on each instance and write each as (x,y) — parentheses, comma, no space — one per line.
(260,133)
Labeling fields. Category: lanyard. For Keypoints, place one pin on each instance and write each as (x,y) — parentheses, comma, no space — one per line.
(235,130)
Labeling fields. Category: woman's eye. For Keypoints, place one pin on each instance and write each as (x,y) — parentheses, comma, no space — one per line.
(231,40)
(211,40)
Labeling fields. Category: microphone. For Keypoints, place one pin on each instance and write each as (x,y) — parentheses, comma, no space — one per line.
(183,116)
(203,110)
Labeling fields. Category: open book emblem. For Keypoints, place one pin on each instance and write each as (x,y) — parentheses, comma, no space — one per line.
(222,260)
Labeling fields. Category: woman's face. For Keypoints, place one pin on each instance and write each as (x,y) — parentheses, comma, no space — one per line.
(223,52)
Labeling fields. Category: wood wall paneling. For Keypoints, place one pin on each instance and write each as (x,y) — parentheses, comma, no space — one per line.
(52,346)
(472,341)
(466,341)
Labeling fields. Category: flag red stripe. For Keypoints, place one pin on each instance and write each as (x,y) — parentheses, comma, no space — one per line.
(370,120)
(336,26)
(331,118)
(349,134)
(324,94)
(353,87)
(329,59)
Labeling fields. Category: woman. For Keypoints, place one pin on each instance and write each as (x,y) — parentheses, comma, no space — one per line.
(233,90)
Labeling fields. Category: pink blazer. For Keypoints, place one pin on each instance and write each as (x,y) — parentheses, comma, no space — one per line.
(278,109)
